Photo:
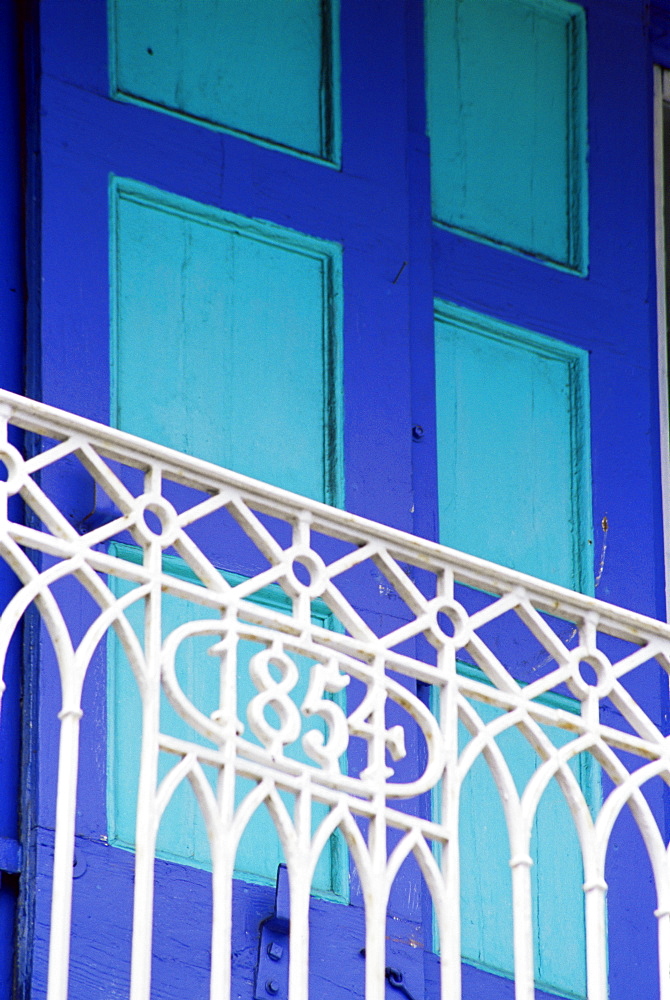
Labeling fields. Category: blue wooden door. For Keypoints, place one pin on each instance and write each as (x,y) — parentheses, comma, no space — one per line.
(512,406)
(523,243)
(336,246)
(240,247)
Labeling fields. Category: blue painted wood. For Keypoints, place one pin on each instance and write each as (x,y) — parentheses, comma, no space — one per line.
(83,135)
(513,447)
(240,334)
(10,856)
(506,92)
(182,836)
(267,69)
(12,326)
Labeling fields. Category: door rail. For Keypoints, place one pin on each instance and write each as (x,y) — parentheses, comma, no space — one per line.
(435,657)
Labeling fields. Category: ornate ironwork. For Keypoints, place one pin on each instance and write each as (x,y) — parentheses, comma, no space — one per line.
(399,674)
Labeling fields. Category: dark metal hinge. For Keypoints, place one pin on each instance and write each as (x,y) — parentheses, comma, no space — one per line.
(273,952)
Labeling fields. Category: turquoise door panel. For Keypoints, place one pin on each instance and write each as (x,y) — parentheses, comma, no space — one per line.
(264,68)
(486,886)
(226,339)
(514,487)
(182,836)
(513,447)
(506,94)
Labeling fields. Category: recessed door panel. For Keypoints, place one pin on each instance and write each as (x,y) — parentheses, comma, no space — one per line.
(513,447)
(506,97)
(225,340)
(265,69)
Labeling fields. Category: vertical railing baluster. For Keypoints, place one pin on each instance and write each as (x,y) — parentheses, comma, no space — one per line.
(524,988)
(450,926)
(66,805)
(147,816)
(663,917)
(375,904)
(595,895)
(223,850)
(299,887)
(376,773)
(222,915)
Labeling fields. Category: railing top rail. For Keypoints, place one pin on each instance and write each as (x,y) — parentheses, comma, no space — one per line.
(50,421)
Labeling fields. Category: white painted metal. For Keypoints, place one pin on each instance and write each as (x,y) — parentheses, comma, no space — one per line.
(566,626)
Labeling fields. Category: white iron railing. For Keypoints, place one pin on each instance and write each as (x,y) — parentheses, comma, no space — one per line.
(313,552)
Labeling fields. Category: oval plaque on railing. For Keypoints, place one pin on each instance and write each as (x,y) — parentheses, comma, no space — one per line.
(274,717)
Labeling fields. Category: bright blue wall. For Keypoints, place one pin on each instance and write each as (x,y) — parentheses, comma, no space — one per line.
(394,263)
(12,324)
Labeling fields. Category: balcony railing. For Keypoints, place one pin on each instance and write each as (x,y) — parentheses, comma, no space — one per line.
(438,674)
